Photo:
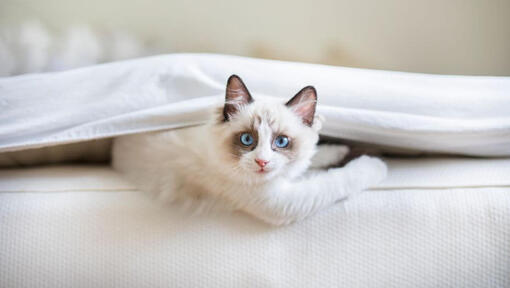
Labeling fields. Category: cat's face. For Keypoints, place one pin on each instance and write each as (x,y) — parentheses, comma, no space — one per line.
(261,140)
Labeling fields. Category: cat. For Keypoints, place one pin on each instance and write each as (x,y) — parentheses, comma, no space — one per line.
(257,156)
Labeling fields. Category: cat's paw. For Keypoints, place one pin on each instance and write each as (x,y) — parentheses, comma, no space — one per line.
(329,155)
(372,169)
(338,152)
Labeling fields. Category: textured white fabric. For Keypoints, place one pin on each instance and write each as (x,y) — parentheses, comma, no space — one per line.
(62,179)
(446,172)
(454,114)
(95,232)
(404,173)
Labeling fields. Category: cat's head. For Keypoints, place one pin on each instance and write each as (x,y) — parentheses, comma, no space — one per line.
(260,140)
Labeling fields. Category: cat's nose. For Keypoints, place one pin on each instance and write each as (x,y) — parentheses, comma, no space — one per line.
(262,163)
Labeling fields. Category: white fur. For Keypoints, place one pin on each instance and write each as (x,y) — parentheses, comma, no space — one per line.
(197,164)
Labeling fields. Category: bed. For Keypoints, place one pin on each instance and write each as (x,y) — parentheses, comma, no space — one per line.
(440,219)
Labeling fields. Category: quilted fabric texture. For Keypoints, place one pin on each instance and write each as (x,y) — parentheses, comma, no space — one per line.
(83,226)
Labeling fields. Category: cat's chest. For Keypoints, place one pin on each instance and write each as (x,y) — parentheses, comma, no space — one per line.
(217,184)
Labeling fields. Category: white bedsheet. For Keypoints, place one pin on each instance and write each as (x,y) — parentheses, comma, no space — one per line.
(454,114)
(432,223)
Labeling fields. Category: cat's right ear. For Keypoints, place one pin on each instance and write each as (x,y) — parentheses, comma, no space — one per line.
(236,96)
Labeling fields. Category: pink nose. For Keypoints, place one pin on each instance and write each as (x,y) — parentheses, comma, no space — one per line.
(261,162)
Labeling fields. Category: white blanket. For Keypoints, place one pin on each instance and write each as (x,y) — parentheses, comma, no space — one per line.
(453,114)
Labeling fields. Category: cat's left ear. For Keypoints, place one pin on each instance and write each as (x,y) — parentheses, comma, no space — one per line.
(303,104)
(237,95)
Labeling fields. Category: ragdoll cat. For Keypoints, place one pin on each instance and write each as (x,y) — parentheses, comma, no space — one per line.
(257,156)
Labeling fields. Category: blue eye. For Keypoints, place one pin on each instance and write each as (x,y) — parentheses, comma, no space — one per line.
(281,141)
(246,139)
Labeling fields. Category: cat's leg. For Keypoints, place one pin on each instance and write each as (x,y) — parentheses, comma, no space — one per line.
(295,200)
(328,155)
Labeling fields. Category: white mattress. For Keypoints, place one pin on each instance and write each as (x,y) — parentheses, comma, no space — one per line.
(432,223)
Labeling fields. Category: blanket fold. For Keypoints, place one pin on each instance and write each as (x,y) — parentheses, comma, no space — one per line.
(435,113)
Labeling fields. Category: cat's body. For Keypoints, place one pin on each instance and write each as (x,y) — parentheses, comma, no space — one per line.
(253,156)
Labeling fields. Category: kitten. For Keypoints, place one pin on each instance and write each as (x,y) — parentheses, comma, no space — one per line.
(253,155)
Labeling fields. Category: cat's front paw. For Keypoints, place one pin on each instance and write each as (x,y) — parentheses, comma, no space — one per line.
(372,169)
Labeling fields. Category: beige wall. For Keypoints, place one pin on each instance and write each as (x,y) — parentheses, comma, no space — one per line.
(435,36)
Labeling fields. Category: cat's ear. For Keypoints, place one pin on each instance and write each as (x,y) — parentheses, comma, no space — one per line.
(236,96)
(303,104)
